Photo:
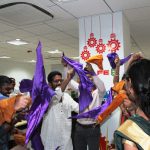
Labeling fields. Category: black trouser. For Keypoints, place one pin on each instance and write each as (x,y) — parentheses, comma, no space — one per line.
(87,135)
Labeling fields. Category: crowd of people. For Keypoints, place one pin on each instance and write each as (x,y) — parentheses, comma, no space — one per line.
(55,131)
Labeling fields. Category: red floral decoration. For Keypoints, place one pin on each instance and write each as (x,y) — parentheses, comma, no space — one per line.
(85,53)
(100,48)
(92,41)
(113,44)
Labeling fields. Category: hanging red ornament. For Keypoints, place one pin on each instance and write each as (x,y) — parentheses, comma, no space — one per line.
(85,53)
(100,48)
(92,41)
(113,44)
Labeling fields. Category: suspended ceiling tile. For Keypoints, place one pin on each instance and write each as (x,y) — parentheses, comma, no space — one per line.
(118,5)
(59,13)
(57,36)
(22,15)
(18,34)
(4,27)
(70,41)
(65,24)
(40,29)
(74,33)
(45,3)
(139,14)
(81,8)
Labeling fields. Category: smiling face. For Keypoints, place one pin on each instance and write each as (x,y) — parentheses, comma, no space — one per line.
(56,82)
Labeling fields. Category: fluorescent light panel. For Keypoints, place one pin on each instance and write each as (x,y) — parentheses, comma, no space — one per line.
(4,57)
(17,42)
(55,52)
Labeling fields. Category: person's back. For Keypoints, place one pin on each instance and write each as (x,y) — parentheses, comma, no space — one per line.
(135,132)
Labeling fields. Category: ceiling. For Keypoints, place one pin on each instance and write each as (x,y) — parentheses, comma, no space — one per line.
(61,32)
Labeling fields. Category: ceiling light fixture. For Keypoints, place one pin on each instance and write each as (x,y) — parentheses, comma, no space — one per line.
(4,57)
(17,42)
(55,52)
(31,61)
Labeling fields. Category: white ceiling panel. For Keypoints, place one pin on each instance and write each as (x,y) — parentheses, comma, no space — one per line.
(139,14)
(40,29)
(74,33)
(81,8)
(4,27)
(57,36)
(15,34)
(65,24)
(59,13)
(22,15)
(118,5)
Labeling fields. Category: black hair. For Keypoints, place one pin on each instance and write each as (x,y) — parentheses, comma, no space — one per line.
(12,80)
(124,76)
(4,80)
(52,74)
(139,73)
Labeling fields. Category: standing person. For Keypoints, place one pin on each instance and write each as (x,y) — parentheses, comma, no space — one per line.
(56,127)
(8,107)
(134,134)
(127,107)
(87,133)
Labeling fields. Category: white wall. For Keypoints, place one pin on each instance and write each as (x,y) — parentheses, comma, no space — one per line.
(19,70)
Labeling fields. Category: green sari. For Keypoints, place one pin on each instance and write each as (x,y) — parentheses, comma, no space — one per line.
(137,130)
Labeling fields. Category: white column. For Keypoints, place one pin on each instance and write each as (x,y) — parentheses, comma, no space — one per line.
(121,29)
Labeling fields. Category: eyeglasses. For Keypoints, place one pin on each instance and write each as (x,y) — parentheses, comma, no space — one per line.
(57,81)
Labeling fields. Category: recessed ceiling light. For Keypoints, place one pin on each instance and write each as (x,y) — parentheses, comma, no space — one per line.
(4,57)
(17,42)
(55,52)
(31,61)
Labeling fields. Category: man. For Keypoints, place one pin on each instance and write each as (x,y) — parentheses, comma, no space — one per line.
(56,127)
(86,132)
(8,108)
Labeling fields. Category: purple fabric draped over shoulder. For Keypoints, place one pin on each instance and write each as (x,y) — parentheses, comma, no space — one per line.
(94,113)
(41,98)
(85,85)
(112,56)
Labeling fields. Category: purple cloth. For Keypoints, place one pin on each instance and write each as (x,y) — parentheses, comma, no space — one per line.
(112,56)
(85,85)
(26,86)
(94,113)
(41,97)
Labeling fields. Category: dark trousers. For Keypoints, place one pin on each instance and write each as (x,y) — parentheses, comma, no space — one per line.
(87,135)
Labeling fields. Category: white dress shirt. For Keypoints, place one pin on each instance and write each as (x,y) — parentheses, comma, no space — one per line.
(97,95)
(56,127)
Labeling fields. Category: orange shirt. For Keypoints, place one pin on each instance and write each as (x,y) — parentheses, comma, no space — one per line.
(7,109)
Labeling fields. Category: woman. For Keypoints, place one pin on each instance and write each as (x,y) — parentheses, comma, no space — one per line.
(134,134)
